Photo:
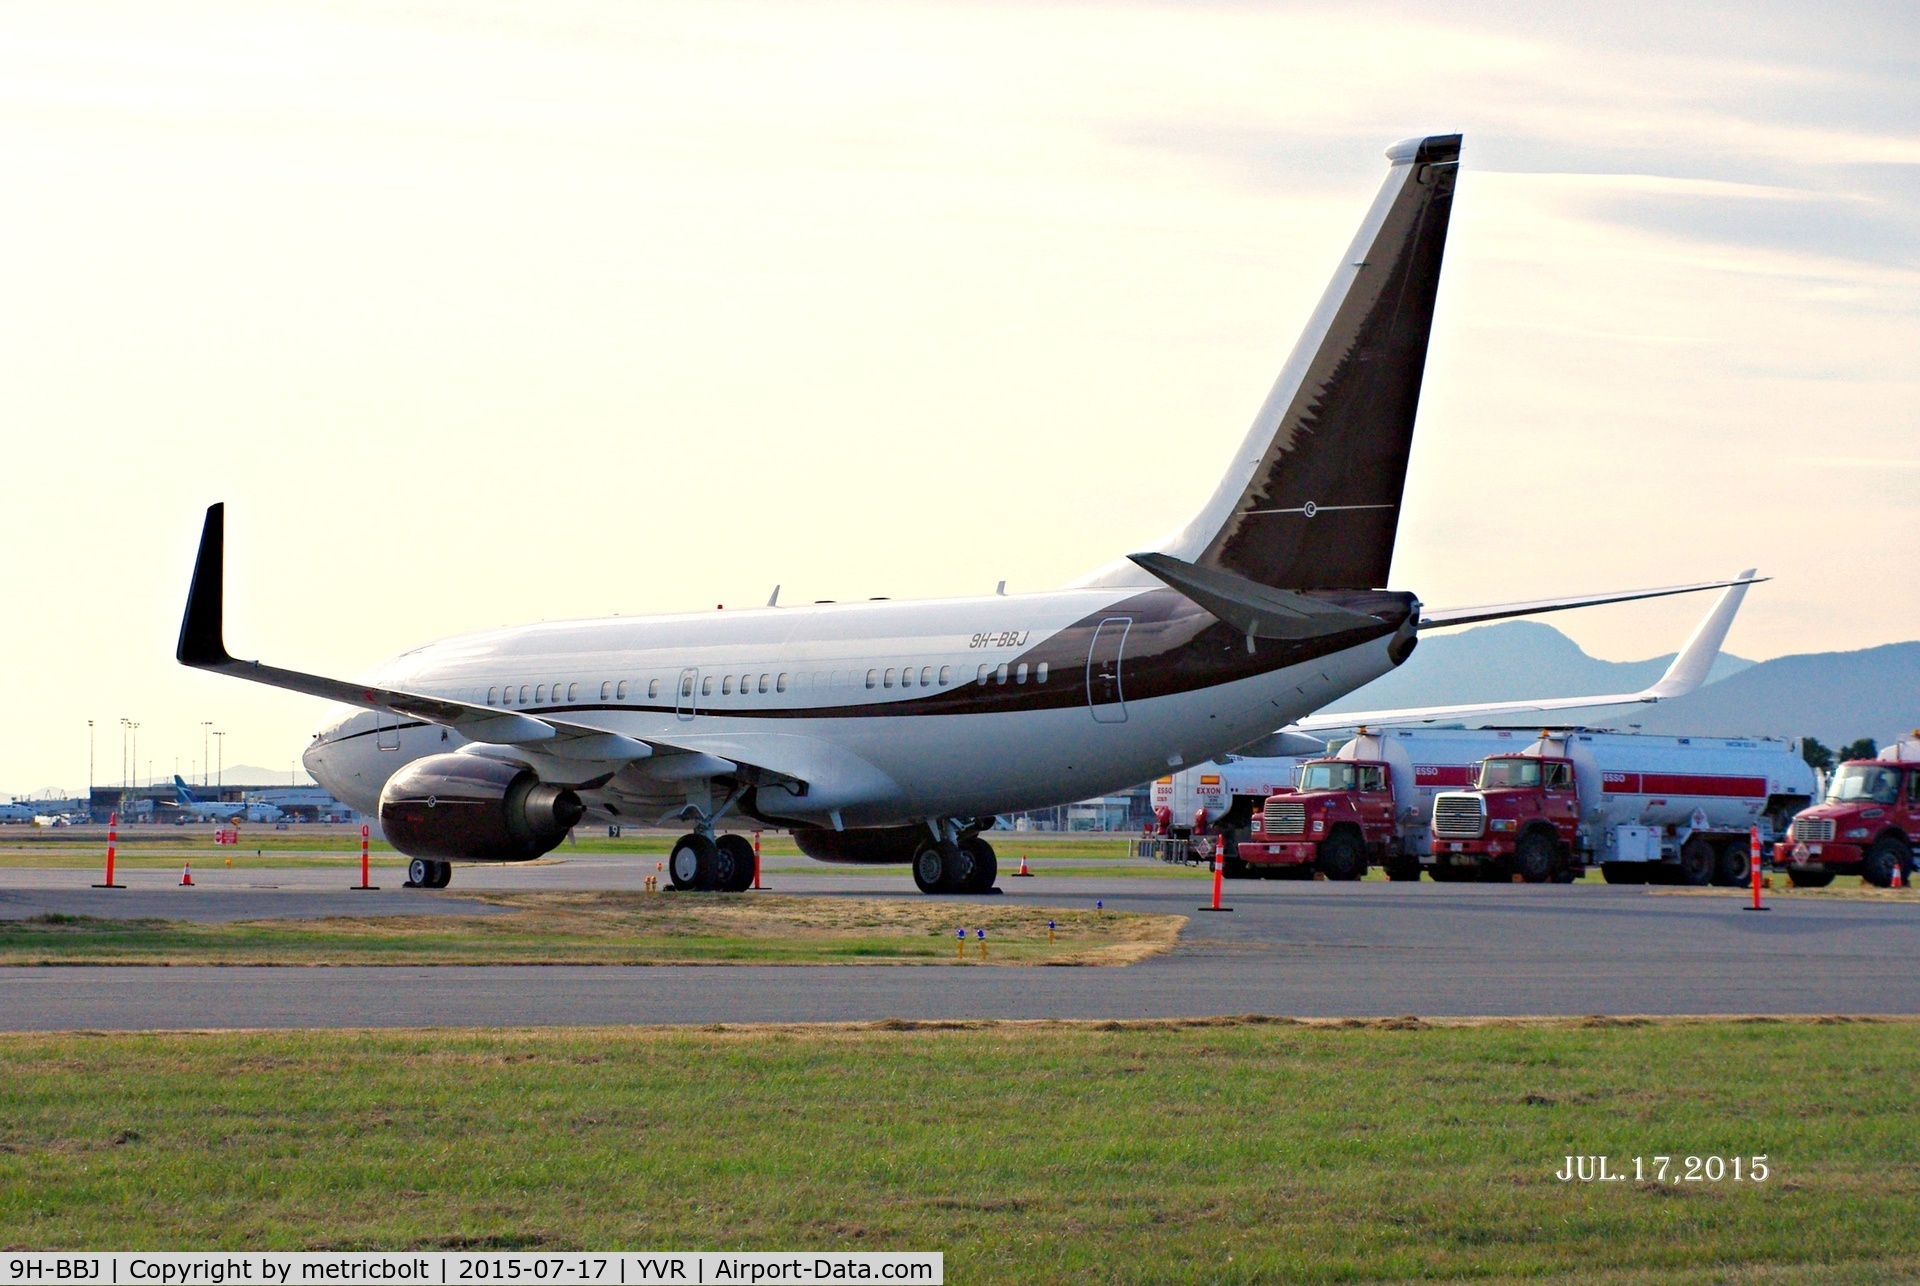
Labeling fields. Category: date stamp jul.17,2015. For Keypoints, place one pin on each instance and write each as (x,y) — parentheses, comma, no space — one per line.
(1664,1169)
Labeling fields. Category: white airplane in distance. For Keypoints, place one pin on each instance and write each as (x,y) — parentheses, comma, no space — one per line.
(186,803)
(894,731)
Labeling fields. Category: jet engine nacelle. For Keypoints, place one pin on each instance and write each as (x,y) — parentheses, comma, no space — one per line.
(479,810)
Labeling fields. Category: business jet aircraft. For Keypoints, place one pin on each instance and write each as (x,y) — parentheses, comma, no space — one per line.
(895,731)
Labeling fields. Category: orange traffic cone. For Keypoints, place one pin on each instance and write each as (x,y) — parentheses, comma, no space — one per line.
(1897,882)
(1023,866)
(186,876)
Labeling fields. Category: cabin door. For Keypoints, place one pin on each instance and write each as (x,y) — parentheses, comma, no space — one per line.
(1105,694)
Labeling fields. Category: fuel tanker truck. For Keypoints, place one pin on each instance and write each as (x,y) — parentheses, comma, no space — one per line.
(1646,808)
(1868,824)
(1368,802)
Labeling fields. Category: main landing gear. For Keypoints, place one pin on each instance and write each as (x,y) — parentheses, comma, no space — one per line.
(710,864)
(423,874)
(955,865)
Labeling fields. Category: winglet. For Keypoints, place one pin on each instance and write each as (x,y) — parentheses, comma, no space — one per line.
(201,644)
(1689,668)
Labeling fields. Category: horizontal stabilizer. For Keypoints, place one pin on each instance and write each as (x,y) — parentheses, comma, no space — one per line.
(1254,609)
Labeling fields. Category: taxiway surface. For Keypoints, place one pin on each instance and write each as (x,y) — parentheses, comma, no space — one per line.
(1299,949)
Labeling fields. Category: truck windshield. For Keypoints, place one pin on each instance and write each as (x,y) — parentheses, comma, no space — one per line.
(1863,783)
(1498,773)
(1326,777)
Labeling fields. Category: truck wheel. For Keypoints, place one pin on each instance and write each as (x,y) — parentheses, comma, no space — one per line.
(1809,879)
(1536,856)
(1342,857)
(1733,869)
(1877,867)
(1623,872)
(1404,870)
(1696,862)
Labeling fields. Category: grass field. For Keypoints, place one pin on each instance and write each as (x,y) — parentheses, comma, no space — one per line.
(614,928)
(1222,1152)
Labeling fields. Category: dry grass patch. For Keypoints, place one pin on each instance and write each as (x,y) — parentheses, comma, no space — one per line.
(617,928)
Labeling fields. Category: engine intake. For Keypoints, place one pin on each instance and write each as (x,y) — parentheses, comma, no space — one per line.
(480,810)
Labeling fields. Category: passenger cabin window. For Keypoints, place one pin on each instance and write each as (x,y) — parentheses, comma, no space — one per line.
(493,696)
(887,680)
(620,693)
(573,691)
(686,685)
(523,694)
(706,686)
(1000,675)
(984,672)
(946,675)
(653,689)
(1040,673)
(763,683)
(872,677)
(926,676)
(1020,673)
(726,686)
(606,689)
(780,684)
(540,693)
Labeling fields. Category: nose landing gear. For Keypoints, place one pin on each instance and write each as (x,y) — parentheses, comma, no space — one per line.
(424,874)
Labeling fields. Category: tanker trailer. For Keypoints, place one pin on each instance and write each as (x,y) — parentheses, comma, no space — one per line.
(1646,808)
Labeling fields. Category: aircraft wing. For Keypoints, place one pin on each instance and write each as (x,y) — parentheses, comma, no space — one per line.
(1447,616)
(1688,671)
(203,646)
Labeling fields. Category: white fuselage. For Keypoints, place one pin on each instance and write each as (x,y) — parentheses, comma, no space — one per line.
(980,728)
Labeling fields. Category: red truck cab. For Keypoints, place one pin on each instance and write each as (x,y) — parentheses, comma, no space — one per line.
(1522,815)
(1867,825)
(1341,811)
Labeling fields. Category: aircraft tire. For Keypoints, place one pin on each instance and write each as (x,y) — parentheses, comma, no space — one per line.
(985,866)
(442,875)
(1696,862)
(420,873)
(733,863)
(690,865)
(930,867)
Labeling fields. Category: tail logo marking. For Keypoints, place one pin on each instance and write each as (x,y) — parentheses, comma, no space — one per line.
(1309,509)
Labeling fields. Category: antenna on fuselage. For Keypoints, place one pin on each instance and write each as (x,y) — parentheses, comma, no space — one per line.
(773,599)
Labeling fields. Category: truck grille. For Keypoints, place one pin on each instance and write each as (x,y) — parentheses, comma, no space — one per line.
(1459,816)
(1285,817)
(1813,830)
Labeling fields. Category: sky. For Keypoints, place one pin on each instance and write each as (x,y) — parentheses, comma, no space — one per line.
(477,314)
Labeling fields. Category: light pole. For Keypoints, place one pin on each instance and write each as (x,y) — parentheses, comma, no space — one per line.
(124,721)
(205,724)
(89,759)
(135,725)
(220,776)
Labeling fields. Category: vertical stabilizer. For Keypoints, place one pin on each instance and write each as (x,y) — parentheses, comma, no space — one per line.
(1313,496)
